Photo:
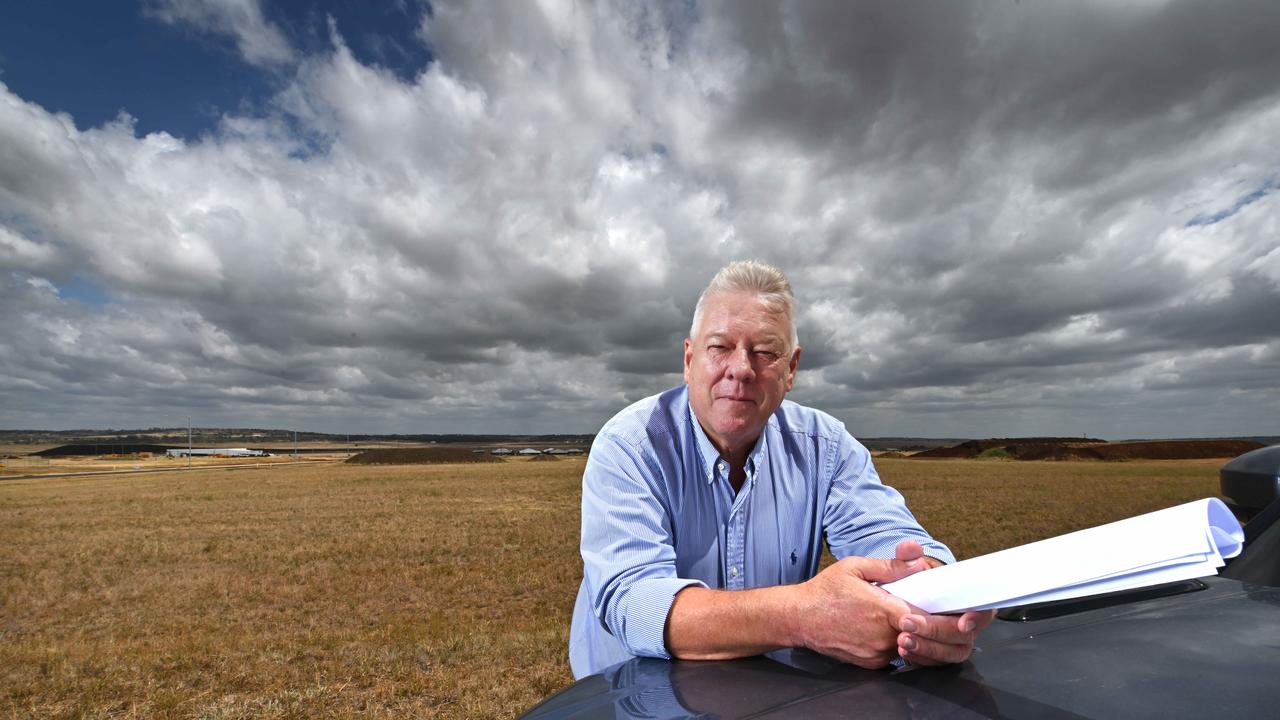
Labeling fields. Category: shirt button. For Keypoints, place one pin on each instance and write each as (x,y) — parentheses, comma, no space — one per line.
(733,572)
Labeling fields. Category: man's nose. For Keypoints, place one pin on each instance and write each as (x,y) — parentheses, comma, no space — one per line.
(739,367)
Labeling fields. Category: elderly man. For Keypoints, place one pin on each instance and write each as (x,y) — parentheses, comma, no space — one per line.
(704,510)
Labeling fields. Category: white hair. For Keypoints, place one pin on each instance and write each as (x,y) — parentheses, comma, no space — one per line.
(765,281)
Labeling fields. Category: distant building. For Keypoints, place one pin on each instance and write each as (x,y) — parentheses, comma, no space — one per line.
(501,451)
(529,451)
(215,452)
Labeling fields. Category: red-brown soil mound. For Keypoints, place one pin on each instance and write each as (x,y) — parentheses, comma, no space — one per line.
(1175,449)
(421,456)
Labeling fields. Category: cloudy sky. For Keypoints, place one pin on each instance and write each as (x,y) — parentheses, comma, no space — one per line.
(1000,218)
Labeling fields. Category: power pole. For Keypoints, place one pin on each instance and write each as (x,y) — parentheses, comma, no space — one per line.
(188,442)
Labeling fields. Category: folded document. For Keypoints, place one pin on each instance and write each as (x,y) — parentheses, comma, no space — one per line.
(1177,543)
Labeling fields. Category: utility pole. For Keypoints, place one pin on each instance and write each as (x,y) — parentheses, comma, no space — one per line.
(295,444)
(188,442)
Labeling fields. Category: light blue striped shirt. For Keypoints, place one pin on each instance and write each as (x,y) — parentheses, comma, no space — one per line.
(659,515)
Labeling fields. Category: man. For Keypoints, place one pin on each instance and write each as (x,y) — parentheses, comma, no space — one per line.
(704,510)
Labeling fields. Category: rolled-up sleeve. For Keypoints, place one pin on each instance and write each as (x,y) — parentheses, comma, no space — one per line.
(863,516)
(628,555)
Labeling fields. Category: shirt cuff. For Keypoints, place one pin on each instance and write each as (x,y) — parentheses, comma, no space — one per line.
(938,552)
(643,615)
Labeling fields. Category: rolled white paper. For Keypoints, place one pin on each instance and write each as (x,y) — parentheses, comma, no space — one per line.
(1177,543)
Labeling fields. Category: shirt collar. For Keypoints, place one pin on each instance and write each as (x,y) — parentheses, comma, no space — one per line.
(710,456)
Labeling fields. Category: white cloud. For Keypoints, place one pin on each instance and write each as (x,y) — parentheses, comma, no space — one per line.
(258,41)
(512,238)
(19,253)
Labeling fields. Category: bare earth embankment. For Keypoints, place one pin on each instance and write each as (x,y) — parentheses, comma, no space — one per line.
(421,456)
(382,591)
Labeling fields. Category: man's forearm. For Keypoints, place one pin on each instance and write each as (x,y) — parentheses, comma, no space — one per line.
(840,612)
(706,624)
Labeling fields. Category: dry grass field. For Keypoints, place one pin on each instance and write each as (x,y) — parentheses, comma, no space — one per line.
(385,591)
(23,465)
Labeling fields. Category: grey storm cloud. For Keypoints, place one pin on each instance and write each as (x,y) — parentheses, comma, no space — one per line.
(999,218)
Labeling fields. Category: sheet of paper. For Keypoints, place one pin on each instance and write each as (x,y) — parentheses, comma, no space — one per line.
(1176,543)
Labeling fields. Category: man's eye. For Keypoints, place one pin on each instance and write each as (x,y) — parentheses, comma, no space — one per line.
(767,355)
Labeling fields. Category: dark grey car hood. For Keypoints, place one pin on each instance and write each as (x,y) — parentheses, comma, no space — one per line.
(1213,652)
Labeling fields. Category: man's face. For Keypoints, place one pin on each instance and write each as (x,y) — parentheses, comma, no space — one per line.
(738,367)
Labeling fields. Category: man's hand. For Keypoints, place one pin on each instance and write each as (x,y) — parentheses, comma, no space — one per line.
(848,618)
(936,639)
(856,622)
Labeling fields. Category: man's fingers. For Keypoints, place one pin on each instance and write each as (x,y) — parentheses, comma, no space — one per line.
(927,639)
(949,628)
(942,628)
(976,620)
(923,651)
(933,639)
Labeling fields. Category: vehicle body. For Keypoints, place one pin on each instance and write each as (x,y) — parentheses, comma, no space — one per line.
(1198,648)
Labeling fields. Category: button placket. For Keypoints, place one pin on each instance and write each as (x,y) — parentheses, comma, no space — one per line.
(737,541)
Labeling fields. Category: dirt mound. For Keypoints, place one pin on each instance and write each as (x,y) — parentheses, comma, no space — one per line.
(974,448)
(543,458)
(1053,452)
(1090,449)
(1175,449)
(421,456)
(90,449)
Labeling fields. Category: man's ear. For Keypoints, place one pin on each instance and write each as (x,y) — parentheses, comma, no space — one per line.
(792,367)
(688,358)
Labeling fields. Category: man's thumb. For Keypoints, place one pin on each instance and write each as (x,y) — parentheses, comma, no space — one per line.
(885,571)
